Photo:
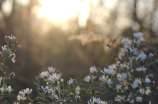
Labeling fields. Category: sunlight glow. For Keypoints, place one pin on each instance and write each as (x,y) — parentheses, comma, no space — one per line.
(58,10)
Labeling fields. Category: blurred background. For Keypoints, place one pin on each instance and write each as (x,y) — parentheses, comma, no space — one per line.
(71,35)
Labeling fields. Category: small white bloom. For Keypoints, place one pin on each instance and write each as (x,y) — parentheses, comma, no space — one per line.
(126,42)
(151,75)
(88,78)
(142,91)
(126,88)
(137,41)
(150,55)
(120,77)
(25,91)
(112,67)
(141,69)
(109,71)
(139,99)
(2,89)
(147,80)
(136,83)
(96,101)
(9,89)
(13,59)
(109,82)
(139,36)
(21,97)
(120,98)
(77,90)
(132,50)
(51,69)
(77,97)
(12,37)
(70,81)
(44,74)
(93,69)
(45,90)
(147,92)
(54,77)
(142,56)
(131,58)
(106,80)
(118,87)
(4,48)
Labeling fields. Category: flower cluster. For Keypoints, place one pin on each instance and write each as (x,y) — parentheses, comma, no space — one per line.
(7,55)
(128,79)
(130,74)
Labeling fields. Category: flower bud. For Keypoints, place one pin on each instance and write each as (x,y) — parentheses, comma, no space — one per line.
(15,40)
(7,38)
(19,46)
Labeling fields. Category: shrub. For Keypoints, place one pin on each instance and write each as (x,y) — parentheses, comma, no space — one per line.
(128,79)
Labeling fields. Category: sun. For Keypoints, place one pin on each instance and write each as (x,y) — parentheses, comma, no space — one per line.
(58,10)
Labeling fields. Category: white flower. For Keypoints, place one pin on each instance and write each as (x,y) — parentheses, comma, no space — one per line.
(45,90)
(51,69)
(93,69)
(2,89)
(142,91)
(112,67)
(124,65)
(132,50)
(147,92)
(77,90)
(151,75)
(131,58)
(123,76)
(150,55)
(136,83)
(25,91)
(141,69)
(142,56)
(88,78)
(120,77)
(96,101)
(44,74)
(12,37)
(4,48)
(118,87)
(77,97)
(130,99)
(147,80)
(70,81)
(54,77)
(126,88)
(13,59)
(120,98)
(109,71)
(139,36)
(139,99)
(126,41)
(21,97)
(105,80)
(52,91)
(9,89)
(109,82)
